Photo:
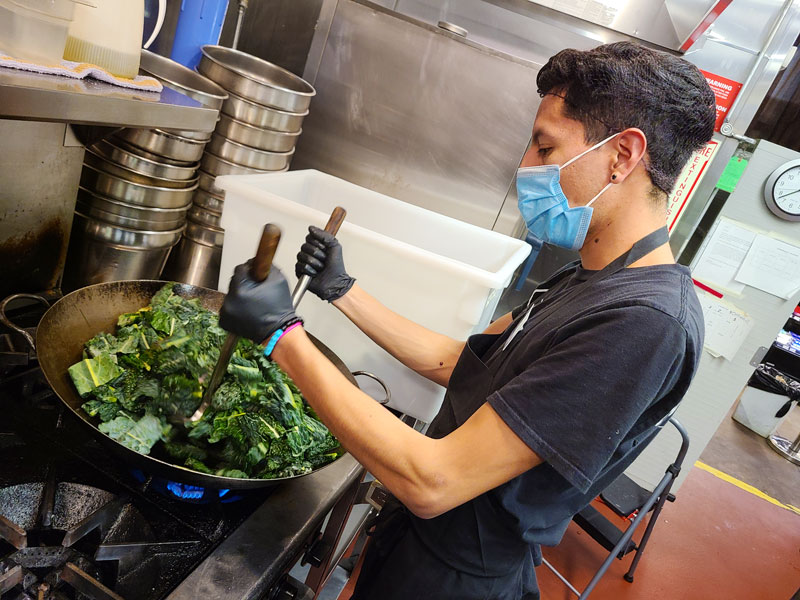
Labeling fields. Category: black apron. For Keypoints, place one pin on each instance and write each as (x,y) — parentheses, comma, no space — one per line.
(472,552)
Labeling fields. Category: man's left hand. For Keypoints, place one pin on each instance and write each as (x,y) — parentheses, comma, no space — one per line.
(257,310)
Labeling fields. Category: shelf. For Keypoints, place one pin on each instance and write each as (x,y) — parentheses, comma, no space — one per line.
(35,97)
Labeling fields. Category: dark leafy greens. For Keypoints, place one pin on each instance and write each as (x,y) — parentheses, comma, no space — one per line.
(157,364)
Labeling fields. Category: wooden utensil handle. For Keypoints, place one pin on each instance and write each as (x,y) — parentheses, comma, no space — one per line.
(262,262)
(336,220)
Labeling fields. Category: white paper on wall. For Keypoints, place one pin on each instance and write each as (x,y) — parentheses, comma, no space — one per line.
(727,327)
(772,266)
(723,255)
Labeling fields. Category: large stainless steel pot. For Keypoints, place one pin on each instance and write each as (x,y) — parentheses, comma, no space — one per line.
(101,163)
(178,77)
(256,137)
(204,234)
(142,165)
(117,188)
(118,141)
(255,79)
(198,136)
(262,116)
(215,166)
(164,143)
(201,215)
(81,315)
(100,252)
(239,154)
(131,216)
(208,201)
(194,263)
(187,82)
(206,183)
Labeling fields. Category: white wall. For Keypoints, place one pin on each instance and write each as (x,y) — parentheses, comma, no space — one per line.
(719,382)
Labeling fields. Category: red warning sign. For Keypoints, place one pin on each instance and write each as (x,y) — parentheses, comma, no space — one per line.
(725,91)
(690,176)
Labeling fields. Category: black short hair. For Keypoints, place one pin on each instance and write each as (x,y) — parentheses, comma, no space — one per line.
(621,85)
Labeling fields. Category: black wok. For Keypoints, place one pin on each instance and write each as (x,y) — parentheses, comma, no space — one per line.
(84,313)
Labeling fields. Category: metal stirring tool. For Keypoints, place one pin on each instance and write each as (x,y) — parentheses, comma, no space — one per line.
(262,263)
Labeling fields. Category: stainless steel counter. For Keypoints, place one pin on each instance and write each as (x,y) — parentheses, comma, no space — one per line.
(34,97)
(250,561)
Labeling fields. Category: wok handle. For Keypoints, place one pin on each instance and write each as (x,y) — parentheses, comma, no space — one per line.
(5,320)
(262,262)
(334,223)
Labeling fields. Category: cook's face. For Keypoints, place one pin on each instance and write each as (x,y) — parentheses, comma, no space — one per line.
(557,139)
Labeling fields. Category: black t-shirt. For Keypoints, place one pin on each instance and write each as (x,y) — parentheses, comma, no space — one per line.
(595,367)
(600,367)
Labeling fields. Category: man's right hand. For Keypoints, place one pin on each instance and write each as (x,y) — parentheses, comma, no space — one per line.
(320,257)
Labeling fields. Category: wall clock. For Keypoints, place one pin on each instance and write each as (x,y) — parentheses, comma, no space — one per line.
(782,191)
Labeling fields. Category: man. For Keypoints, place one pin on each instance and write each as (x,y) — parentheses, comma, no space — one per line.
(554,400)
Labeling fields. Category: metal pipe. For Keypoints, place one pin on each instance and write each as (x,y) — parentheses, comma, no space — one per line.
(239,21)
(727,129)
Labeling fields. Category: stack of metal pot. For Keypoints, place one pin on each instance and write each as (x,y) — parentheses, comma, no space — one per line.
(259,125)
(136,189)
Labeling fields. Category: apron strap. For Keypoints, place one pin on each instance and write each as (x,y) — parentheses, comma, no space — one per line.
(641,248)
(646,245)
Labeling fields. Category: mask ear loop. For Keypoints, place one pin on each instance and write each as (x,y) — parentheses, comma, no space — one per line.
(595,147)
(608,185)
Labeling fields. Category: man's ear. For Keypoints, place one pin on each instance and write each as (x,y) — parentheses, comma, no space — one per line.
(630,147)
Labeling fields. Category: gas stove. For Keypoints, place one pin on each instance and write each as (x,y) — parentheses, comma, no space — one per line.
(76,523)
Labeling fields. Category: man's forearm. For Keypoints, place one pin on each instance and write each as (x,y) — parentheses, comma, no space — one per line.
(395,453)
(430,354)
(429,476)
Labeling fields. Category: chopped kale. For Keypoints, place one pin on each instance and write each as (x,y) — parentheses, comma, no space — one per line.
(158,364)
(182,452)
(91,373)
(99,408)
(232,473)
(197,465)
(139,435)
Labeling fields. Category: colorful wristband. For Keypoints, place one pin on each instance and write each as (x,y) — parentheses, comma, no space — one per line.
(273,341)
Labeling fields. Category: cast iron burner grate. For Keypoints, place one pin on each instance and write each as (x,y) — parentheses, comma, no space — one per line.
(140,542)
(69,541)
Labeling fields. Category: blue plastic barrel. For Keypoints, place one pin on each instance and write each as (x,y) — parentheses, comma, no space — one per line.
(199,23)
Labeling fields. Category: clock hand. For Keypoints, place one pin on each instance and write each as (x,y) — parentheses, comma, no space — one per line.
(789,194)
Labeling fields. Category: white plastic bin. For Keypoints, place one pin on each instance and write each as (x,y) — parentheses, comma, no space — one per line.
(440,272)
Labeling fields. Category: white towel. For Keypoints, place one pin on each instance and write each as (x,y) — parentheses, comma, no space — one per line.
(75,70)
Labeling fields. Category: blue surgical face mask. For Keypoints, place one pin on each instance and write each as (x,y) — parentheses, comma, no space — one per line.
(545,208)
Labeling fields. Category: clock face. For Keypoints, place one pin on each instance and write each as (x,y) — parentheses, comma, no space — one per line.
(787,191)
(782,191)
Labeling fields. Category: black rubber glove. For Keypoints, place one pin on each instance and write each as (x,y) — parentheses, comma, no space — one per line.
(257,310)
(321,258)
